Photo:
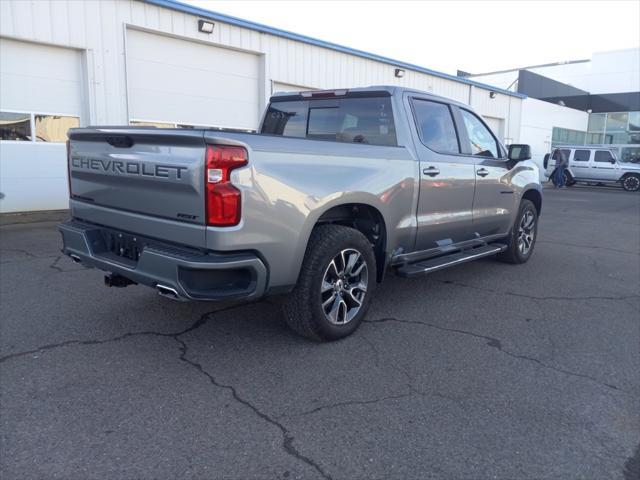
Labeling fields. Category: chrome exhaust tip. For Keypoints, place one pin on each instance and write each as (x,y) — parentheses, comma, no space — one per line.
(169,292)
(75,258)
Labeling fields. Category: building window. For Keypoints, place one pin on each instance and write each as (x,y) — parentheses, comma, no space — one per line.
(567,136)
(596,122)
(617,122)
(15,126)
(614,128)
(48,127)
(54,128)
(594,138)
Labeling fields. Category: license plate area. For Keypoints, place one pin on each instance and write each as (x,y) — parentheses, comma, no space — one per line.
(123,245)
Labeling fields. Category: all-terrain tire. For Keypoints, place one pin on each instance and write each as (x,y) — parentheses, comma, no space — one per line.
(631,182)
(303,307)
(520,232)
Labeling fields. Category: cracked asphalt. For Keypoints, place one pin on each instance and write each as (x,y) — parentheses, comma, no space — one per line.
(482,371)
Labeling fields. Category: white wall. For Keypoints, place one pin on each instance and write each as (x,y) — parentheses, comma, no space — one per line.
(617,71)
(538,120)
(98,29)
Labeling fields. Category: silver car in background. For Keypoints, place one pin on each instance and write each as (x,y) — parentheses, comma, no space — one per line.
(594,165)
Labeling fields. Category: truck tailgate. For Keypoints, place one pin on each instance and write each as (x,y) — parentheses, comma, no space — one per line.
(146,172)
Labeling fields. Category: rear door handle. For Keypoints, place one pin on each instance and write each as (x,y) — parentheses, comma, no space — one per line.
(431,171)
(483,172)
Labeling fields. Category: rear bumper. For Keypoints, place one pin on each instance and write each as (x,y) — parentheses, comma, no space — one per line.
(193,274)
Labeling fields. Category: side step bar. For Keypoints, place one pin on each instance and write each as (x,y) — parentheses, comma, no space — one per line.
(439,263)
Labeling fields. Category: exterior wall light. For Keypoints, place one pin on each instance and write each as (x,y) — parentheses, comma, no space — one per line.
(399,73)
(493,94)
(205,27)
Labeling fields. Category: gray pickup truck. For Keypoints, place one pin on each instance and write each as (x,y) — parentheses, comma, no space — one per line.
(336,188)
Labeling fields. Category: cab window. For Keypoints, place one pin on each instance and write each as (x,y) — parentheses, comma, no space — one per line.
(367,120)
(581,155)
(435,126)
(481,141)
(603,156)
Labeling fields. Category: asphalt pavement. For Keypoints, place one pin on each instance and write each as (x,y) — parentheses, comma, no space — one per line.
(482,371)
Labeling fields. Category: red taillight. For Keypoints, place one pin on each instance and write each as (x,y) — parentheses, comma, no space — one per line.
(69,166)
(223,199)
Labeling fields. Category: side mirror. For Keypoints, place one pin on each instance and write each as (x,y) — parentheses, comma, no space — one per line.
(613,161)
(519,152)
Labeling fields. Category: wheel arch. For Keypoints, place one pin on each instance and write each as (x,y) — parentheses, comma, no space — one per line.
(534,195)
(629,174)
(365,218)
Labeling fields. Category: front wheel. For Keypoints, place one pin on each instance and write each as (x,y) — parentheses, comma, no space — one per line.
(335,285)
(523,235)
(631,183)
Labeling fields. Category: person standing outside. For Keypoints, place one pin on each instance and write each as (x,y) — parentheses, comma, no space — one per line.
(562,163)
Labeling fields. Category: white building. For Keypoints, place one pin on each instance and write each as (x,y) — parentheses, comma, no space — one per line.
(581,102)
(65,63)
(604,72)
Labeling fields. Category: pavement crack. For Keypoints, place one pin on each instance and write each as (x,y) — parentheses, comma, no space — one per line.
(411,389)
(594,247)
(497,344)
(538,297)
(287,437)
(20,250)
(67,343)
(197,324)
(353,402)
(54,264)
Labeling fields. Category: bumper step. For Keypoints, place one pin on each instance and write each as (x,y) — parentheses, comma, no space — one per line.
(434,264)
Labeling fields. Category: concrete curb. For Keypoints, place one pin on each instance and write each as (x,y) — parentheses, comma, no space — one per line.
(33,217)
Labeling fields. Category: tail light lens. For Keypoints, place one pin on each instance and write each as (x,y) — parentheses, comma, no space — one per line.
(223,200)
(69,167)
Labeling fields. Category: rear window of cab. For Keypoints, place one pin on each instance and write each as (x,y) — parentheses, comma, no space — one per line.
(365,120)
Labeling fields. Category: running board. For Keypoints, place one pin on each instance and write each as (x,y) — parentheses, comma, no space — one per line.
(446,261)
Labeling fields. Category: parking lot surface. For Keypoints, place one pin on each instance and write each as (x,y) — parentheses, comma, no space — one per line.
(486,370)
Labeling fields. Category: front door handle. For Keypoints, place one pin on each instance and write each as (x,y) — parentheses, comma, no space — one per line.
(483,172)
(431,171)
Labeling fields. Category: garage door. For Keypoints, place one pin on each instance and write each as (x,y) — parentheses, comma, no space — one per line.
(496,126)
(41,97)
(179,81)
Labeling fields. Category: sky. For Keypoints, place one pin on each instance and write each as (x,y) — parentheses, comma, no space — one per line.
(471,35)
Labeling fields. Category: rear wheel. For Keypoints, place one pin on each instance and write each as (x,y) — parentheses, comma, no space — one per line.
(523,235)
(568,179)
(631,183)
(335,286)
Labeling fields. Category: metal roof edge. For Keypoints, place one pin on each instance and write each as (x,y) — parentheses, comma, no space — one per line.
(201,12)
